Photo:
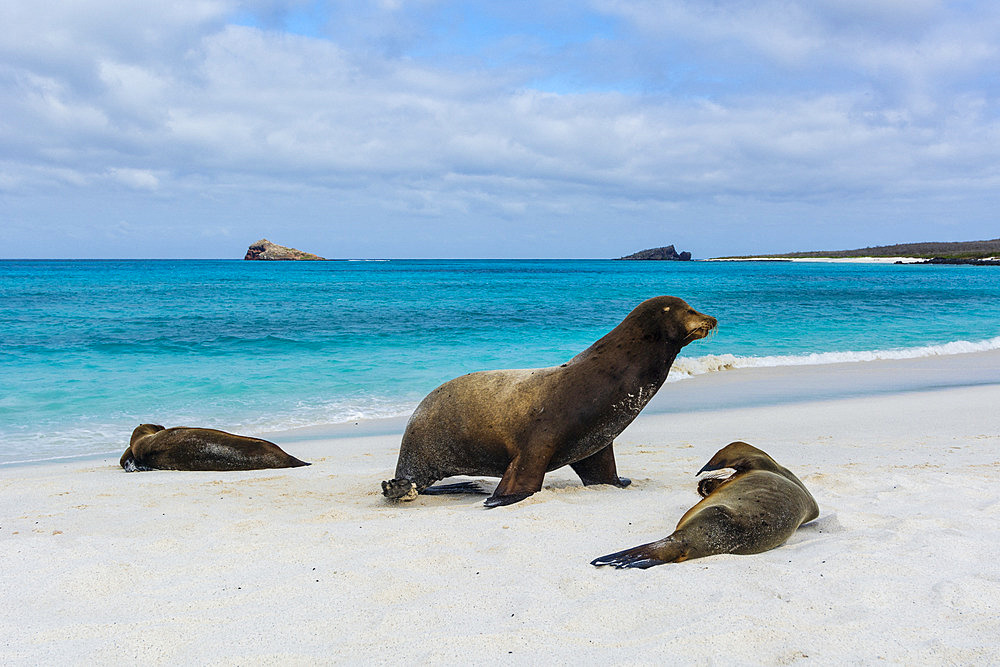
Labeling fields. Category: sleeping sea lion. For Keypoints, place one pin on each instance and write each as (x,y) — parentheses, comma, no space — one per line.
(756,508)
(520,424)
(153,447)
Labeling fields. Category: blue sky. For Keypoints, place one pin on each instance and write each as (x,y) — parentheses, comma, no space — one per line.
(485,129)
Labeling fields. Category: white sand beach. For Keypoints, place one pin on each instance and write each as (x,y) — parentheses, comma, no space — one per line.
(312,566)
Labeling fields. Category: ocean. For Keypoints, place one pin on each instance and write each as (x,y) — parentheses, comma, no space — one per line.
(90,349)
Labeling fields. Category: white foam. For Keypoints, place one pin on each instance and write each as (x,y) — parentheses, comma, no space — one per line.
(331,413)
(686,368)
(111,439)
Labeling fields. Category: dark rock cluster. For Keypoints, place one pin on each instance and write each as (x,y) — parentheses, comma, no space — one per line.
(664,253)
(959,260)
(266,250)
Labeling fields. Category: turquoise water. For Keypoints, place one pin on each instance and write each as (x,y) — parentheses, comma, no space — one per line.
(92,348)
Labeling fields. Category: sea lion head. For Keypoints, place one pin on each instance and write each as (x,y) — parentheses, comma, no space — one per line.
(739,456)
(142,430)
(680,323)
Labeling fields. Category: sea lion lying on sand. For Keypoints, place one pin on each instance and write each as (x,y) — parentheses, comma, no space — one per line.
(153,447)
(755,509)
(519,424)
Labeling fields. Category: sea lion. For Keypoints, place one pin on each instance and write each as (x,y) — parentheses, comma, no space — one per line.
(153,447)
(756,508)
(520,424)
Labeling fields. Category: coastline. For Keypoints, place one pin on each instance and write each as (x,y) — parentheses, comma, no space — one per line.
(206,353)
(310,565)
(828,260)
(698,384)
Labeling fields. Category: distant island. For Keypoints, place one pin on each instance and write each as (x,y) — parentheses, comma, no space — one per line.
(958,252)
(667,253)
(265,250)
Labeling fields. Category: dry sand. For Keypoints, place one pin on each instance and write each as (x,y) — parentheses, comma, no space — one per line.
(311,566)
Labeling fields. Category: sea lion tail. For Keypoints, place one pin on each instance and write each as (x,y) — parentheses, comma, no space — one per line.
(667,550)
(399,489)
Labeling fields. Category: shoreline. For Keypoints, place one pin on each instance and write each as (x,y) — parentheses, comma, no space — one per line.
(829,260)
(244,368)
(984,261)
(738,387)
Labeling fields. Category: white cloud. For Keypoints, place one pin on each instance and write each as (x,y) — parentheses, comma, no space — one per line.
(268,103)
(139,179)
(880,42)
(873,101)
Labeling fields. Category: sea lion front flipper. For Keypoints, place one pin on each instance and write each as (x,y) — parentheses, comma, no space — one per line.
(667,550)
(708,485)
(510,499)
(600,468)
(521,479)
(129,464)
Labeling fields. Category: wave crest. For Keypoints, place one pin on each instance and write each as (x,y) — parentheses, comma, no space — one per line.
(712,363)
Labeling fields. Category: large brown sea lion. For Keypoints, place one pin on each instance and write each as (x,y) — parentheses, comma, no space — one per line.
(520,424)
(755,509)
(153,447)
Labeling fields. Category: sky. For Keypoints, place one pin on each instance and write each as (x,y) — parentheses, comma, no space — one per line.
(440,129)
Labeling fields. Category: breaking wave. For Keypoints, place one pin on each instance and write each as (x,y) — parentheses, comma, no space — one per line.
(712,363)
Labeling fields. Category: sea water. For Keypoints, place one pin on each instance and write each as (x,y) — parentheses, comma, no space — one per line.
(90,349)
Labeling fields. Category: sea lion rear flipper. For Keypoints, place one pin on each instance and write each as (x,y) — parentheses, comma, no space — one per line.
(662,551)
(600,468)
(458,487)
(399,489)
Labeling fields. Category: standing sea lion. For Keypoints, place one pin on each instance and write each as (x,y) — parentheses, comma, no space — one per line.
(153,447)
(520,424)
(755,509)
